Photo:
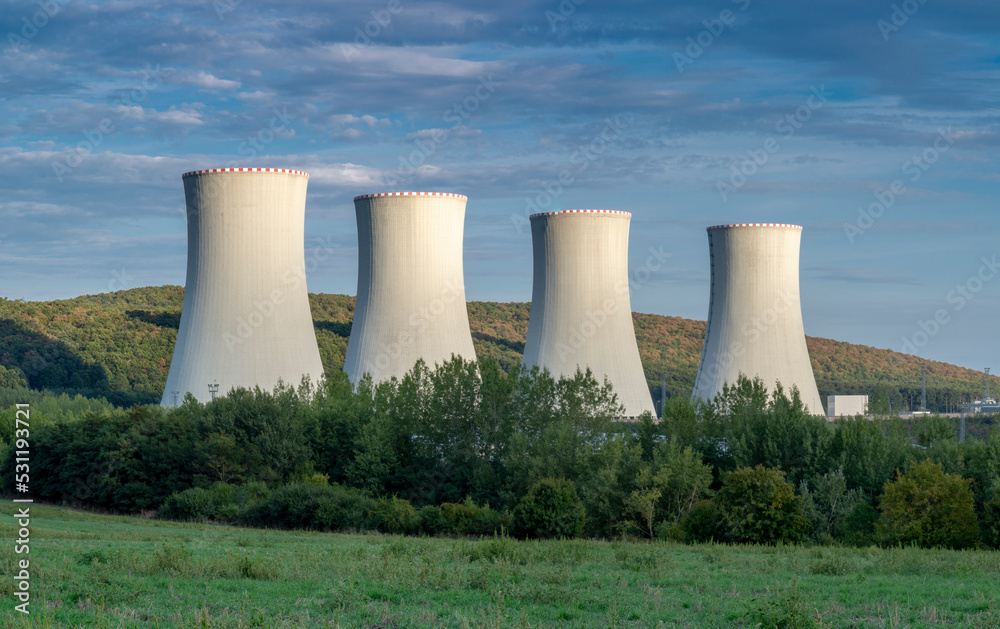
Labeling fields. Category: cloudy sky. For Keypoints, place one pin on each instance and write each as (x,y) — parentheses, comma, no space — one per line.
(872,124)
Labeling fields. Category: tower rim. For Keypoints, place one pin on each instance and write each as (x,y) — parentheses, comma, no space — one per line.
(753,225)
(210,171)
(621,213)
(375,195)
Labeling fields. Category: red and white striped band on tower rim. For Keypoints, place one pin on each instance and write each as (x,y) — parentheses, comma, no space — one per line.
(622,213)
(411,194)
(244,170)
(754,225)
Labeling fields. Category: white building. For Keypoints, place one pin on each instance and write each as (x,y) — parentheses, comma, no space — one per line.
(581,315)
(411,285)
(246,320)
(754,315)
(846,405)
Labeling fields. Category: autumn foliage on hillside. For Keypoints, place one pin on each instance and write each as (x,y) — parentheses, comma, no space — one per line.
(119,345)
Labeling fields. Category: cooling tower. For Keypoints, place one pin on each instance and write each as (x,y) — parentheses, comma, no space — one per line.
(580,311)
(411,287)
(246,320)
(754,314)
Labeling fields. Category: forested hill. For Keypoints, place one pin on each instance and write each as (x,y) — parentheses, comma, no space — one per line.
(119,345)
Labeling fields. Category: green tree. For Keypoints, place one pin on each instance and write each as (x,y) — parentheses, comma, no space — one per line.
(927,507)
(759,506)
(643,500)
(828,502)
(773,431)
(550,509)
(703,522)
(990,523)
(224,459)
(870,451)
(682,477)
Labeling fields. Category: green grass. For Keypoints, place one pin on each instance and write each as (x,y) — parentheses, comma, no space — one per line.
(107,571)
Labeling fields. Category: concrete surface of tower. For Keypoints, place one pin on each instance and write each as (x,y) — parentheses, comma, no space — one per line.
(246,320)
(754,315)
(581,315)
(411,286)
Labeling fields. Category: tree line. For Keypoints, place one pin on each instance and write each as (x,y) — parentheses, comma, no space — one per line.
(470,448)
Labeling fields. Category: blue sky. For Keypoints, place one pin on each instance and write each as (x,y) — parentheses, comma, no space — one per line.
(687,114)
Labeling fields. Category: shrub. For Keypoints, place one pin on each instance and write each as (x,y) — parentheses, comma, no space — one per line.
(827,503)
(196,504)
(927,507)
(858,526)
(395,515)
(431,521)
(702,523)
(496,549)
(785,607)
(551,508)
(312,506)
(250,493)
(990,523)
(468,518)
(219,502)
(670,531)
(759,506)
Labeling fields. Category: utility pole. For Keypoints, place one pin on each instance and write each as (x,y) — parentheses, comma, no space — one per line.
(987,396)
(923,388)
(175,394)
(213,389)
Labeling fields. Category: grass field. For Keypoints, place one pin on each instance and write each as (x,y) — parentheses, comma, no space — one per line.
(108,571)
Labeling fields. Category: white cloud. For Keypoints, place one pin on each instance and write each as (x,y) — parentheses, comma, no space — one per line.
(409,60)
(186,115)
(366,119)
(345,175)
(200,79)
(257,95)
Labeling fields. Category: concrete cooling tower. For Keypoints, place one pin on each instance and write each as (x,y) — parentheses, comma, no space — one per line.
(754,314)
(411,287)
(580,311)
(246,320)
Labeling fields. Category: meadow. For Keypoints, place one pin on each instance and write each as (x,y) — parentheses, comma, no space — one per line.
(116,571)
